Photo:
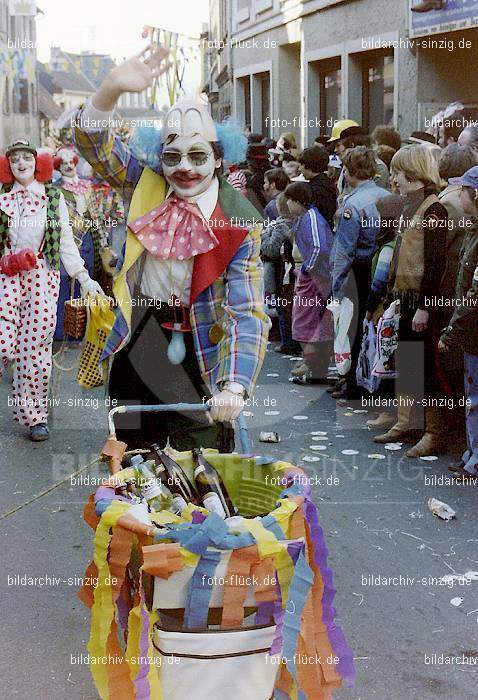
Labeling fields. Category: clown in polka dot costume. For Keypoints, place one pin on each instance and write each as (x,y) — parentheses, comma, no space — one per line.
(33,217)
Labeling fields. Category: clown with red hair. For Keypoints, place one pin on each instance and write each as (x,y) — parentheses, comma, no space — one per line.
(35,237)
(85,222)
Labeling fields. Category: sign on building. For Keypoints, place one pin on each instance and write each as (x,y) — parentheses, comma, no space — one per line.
(19,8)
(456,15)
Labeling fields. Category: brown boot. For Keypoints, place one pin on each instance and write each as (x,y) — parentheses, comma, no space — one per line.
(401,430)
(384,420)
(432,441)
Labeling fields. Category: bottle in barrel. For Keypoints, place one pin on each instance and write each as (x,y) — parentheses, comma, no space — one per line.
(211,487)
(173,476)
(157,496)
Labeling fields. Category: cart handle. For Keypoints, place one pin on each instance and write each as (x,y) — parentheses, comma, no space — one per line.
(244,439)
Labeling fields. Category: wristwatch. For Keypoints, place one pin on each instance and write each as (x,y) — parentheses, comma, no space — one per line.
(235,388)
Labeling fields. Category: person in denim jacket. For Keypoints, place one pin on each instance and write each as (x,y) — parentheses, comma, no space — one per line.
(354,247)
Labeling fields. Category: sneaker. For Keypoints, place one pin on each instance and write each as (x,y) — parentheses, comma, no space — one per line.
(39,432)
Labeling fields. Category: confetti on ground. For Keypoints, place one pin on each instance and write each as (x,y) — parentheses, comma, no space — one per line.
(456,602)
(350,452)
(318,447)
(348,413)
(248,414)
(271,413)
(300,417)
(319,432)
(377,456)
(360,410)
(429,458)
(340,436)
(272,374)
(310,458)
(294,391)
(318,438)
(393,446)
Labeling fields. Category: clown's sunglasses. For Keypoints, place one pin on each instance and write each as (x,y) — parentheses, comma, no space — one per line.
(195,157)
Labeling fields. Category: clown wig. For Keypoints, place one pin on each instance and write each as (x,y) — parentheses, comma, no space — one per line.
(43,169)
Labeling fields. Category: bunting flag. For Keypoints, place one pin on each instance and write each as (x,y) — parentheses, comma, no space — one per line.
(181,48)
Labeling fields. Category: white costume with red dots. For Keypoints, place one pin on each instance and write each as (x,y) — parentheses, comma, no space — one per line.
(28,299)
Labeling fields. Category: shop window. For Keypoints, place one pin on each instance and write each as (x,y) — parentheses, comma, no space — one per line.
(330,98)
(377,90)
(265,103)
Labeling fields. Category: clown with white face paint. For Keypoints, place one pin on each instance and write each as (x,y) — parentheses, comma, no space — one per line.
(190,322)
(85,223)
(35,237)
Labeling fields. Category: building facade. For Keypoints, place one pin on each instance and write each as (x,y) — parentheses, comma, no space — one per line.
(299,65)
(19,114)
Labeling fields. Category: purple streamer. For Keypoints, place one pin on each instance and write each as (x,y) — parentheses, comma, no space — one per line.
(337,639)
(141,681)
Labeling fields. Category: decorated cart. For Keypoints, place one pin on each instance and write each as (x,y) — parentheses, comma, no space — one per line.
(192,605)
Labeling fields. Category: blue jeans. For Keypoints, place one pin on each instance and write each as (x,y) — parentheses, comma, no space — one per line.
(470,456)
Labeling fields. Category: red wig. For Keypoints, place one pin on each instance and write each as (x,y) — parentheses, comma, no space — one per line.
(43,169)
(57,160)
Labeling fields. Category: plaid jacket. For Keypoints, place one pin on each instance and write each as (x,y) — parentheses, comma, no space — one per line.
(227,283)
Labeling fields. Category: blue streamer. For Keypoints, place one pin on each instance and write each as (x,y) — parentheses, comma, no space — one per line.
(200,591)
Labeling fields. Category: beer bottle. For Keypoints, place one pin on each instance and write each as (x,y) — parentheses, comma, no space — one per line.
(157,496)
(173,476)
(211,487)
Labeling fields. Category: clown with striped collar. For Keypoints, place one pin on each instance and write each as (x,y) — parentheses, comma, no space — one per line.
(190,320)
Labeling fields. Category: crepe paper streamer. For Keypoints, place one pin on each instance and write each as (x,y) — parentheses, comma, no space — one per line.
(300,586)
(235,587)
(265,588)
(120,548)
(162,560)
(200,591)
(265,612)
(270,523)
(87,592)
(339,644)
(140,649)
(102,612)
(213,532)
(189,558)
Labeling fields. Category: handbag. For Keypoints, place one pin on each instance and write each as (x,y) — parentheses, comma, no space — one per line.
(387,342)
(366,359)
(91,372)
(75,315)
(342,313)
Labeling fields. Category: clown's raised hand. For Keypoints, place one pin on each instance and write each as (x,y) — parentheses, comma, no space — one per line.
(134,75)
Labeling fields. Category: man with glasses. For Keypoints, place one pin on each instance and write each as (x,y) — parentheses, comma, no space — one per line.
(190,321)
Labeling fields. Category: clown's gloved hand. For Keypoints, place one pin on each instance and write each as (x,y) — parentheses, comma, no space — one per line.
(228,404)
(89,286)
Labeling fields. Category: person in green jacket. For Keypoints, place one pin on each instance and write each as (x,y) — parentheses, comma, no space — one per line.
(462,330)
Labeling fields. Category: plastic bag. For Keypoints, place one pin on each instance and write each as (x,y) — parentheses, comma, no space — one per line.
(342,312)
(387,342)
(367,357)
(100,322)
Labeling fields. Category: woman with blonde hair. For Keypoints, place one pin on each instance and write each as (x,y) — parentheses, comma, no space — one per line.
(288,144)
(416,271)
